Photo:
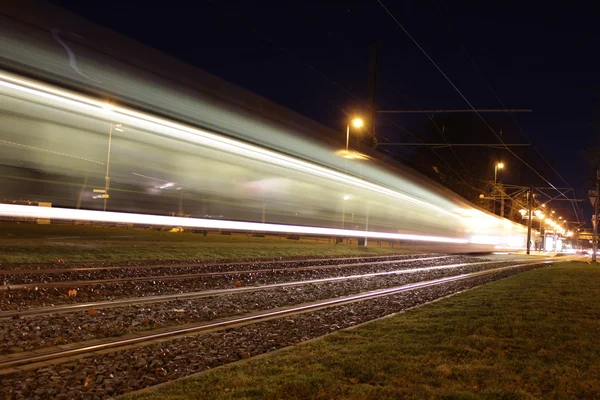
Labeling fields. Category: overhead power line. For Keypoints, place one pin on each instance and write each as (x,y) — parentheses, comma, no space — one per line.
(440,145)
(502,103)
(462,95)
(484,110)
(339,86)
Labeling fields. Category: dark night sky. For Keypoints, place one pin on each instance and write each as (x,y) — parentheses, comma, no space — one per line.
(535,54)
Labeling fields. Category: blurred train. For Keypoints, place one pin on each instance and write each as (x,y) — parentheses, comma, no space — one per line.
(104,128)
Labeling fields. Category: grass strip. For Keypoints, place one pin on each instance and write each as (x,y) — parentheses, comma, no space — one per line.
(531,336)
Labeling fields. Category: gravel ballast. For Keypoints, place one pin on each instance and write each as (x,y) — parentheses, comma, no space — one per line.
(31,333)
(42,296)
(99,377)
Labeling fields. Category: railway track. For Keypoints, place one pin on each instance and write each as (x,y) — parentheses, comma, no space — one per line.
(202,329)
(89,282)
(27,361)
(19,270)
(220,292)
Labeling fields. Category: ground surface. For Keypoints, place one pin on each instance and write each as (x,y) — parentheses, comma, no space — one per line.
(533,335)
(30,243)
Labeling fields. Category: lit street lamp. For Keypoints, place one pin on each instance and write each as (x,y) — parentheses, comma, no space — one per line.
(357,123)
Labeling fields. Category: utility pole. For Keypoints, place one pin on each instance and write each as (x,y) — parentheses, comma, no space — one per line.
(107,177)
(530,219)
(595,221)
(374,53)
(501,201)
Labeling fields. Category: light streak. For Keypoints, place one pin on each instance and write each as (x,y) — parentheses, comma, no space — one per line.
(156,124)
(21,211)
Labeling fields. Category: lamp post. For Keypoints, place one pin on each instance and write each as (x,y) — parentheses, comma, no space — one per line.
(107,176)
(357,123)
(345,198)
(498,166)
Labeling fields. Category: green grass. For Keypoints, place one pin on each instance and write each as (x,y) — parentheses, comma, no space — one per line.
(532,336)
(29,243)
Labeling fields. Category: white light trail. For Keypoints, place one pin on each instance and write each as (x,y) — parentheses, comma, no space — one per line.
(205,138)
(21,211)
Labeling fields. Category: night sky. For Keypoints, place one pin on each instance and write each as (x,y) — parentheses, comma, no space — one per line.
(312,57)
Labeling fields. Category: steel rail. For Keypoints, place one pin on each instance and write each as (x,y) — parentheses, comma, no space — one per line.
(204,265)
(60,309)
(201,275)
(272,314)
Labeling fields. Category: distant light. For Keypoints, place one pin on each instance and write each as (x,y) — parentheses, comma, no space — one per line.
(543,205)
(357,123)
(500,165)
(481,196)
(523,212)
(346,197)
(119,129)
(166,185)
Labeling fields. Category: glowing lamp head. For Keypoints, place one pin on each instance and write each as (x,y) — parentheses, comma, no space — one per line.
(500,165)
(346,197)
(357,123)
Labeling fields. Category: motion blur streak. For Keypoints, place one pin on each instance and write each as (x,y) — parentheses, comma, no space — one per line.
(50,135)
(204,138)
(130,218)
(153,141)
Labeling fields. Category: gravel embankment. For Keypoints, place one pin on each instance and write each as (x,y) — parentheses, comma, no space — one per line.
(31,333)
(150,263)
(42,276)
(116,373)
(15,299)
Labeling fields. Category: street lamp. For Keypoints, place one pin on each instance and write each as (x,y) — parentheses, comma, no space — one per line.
(107,176)
(498,166)
(357,123)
